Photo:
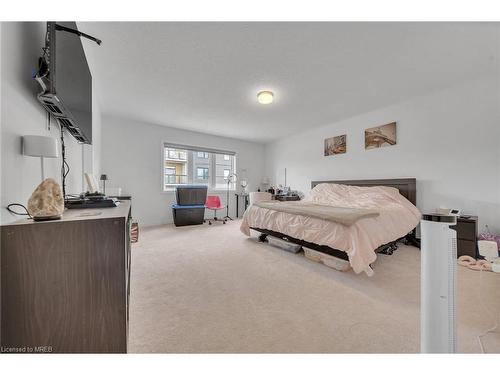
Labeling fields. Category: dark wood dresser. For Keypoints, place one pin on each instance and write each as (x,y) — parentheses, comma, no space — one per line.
(466,236)
(65,283)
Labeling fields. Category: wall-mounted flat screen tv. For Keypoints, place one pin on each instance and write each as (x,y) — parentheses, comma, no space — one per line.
(68,95)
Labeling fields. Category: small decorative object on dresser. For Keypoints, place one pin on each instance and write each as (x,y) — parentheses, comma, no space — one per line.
(104,178)
(91,183)
(466,235)
(46,202)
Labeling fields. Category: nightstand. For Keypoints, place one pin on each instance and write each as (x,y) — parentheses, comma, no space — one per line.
(245,202)
(466,235)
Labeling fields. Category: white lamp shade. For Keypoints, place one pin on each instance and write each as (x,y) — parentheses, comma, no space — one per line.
(38,145)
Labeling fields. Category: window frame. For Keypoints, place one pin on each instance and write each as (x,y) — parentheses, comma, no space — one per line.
(192,154)
(166,174)
(205,173)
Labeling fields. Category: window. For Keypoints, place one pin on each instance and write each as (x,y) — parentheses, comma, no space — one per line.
(169,175)
(202,173)
(175,167)
(223,169)
(192,165)
(176,154)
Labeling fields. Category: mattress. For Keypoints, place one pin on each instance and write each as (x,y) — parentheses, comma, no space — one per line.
(397,217)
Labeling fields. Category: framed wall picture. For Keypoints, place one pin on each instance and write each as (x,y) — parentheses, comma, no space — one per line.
(336,145)
(380,136)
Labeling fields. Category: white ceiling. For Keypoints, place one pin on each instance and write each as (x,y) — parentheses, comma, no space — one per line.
(205,76)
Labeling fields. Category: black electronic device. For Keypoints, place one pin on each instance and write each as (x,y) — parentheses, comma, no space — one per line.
(91,203)
(65,78)
(93,196)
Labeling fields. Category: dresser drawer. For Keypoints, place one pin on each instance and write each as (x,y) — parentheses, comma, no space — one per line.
(465,247)
(466,230)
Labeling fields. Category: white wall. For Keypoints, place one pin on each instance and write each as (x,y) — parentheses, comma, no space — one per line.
(92,153)
(1,158)
(132,159)
(447,140)
(22,114)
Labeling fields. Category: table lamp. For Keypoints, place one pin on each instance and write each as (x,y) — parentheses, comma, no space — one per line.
(40,146)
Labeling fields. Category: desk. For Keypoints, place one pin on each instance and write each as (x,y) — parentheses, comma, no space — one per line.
(245,197)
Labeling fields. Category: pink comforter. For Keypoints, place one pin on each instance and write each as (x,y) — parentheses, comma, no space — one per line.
(398,217)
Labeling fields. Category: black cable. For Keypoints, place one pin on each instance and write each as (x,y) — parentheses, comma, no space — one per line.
(46,47)
(67,168)
(64,165)
(77,32)
(18,213)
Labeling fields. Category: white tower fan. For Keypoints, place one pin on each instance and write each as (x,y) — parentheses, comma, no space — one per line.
(438,284)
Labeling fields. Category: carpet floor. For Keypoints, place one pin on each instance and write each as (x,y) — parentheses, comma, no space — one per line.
(210,289)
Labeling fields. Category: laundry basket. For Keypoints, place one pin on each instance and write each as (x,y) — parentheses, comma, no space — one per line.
(488,236)
(134,232)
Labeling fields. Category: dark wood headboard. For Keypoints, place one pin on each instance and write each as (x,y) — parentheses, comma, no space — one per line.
(407,186)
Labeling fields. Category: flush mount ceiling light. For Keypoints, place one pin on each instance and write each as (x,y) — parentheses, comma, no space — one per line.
(265,97)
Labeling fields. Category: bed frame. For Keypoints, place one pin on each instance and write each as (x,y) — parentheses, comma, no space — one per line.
(407,188)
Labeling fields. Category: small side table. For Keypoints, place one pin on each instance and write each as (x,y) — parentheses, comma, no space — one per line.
(245,197)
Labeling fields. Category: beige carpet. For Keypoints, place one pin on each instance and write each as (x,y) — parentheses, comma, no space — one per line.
(211,289)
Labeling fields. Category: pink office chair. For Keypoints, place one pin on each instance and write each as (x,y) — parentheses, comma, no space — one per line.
(213,203)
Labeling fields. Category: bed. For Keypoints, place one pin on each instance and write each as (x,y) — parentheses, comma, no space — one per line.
(359,242)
